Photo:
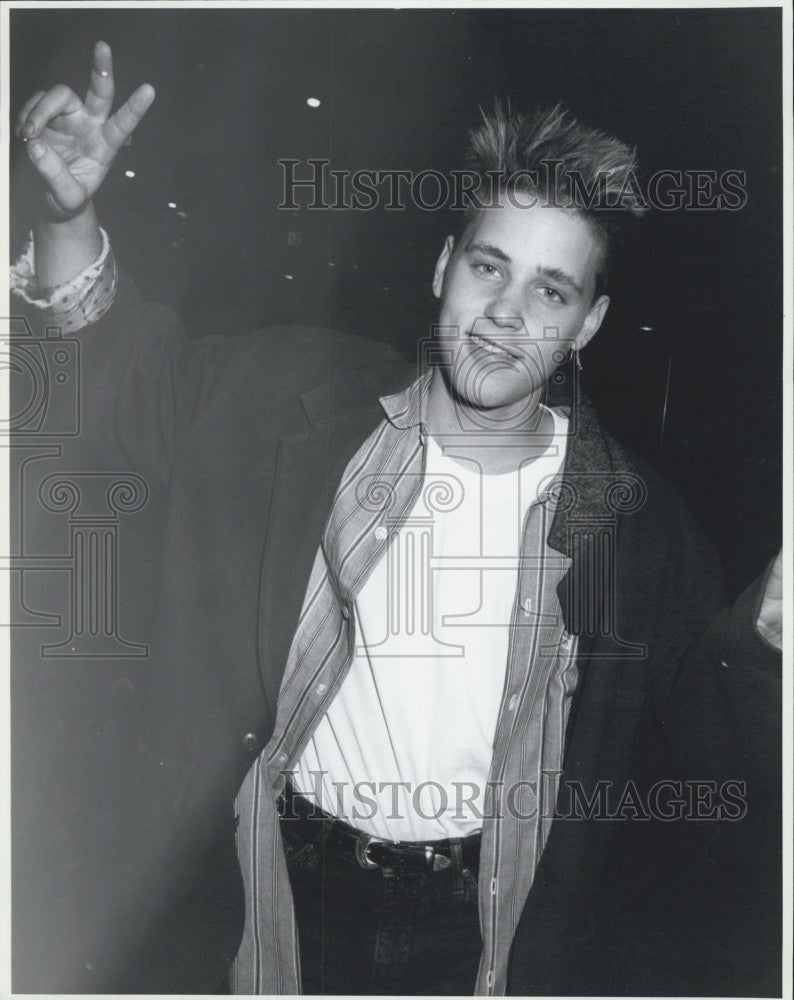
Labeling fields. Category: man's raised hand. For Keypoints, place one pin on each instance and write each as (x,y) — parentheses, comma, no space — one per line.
(72,143)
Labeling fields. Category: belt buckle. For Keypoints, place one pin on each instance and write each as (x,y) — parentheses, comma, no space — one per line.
(363,843)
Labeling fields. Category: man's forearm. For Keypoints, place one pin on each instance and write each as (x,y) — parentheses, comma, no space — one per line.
(64,249)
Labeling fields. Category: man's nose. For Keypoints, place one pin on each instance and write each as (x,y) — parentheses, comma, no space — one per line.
(504,313)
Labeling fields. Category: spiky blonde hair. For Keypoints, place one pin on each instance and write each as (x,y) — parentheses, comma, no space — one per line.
(564,164)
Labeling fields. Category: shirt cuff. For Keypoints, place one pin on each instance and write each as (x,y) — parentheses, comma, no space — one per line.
(76,303)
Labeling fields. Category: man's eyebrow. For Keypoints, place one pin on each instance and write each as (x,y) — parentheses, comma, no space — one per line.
(552,273)
(488,248)
(561,277)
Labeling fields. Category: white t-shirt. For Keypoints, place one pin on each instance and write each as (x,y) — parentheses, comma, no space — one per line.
(404,751)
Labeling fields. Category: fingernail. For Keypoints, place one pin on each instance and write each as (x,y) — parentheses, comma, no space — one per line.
(27,128)
(36,150)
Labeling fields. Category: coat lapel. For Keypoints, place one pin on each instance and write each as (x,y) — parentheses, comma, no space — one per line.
(599,488)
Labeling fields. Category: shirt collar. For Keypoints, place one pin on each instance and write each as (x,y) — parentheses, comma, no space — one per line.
(406,409)
(591,453)
(589,447)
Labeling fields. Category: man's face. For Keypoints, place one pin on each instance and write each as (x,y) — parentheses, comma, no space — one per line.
(517,294)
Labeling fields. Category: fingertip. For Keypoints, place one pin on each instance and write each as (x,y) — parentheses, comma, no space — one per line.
(36,149)
(103,55)
(144,95)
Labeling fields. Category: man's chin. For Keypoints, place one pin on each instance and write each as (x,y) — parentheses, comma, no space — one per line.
(498,390)
(494,407)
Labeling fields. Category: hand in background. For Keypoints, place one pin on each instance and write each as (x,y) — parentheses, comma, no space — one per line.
(770,617)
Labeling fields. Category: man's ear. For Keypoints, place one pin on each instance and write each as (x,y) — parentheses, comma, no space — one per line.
(441,265)
(592,321)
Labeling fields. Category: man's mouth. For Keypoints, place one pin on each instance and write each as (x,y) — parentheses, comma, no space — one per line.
(491,347)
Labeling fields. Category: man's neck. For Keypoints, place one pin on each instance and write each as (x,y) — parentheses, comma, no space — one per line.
(499,441)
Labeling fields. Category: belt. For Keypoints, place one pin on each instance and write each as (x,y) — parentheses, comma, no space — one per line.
(304,821)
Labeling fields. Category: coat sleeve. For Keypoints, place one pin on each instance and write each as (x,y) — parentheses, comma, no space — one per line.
(725,708)
(716,694)
(143,383)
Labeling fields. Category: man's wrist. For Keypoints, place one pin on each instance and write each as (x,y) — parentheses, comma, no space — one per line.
(65,247)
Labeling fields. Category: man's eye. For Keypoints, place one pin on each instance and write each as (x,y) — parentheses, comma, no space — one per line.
(483,267)
(551,294)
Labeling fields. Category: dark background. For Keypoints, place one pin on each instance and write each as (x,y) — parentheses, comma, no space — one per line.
(691,89)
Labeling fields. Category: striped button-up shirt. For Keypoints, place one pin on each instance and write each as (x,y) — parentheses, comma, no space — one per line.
(376,494)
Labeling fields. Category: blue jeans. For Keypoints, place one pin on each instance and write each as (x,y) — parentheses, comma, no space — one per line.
(382,931)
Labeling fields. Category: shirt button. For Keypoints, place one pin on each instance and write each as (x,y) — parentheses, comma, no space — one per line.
(249,741)
(282,758)
(512,703)
(381,533)
(526,606)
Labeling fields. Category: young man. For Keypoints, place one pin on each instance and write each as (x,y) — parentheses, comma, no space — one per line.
(415,626)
